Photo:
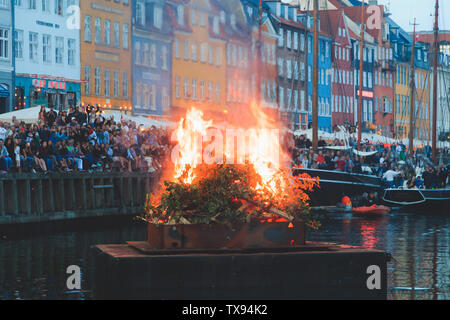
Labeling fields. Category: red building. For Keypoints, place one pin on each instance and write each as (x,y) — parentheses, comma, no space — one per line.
(342,87)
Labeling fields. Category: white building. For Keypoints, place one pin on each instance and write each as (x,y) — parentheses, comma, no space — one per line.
(443,94)
(6,59)
(47,53)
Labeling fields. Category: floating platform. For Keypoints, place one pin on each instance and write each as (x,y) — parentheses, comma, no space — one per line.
(313,271)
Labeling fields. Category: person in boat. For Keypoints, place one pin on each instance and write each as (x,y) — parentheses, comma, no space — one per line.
(364,200)
(372,199)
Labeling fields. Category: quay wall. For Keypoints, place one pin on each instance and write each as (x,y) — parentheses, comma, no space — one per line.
(28,198)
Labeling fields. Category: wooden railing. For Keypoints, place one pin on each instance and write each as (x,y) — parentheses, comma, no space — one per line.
(36,197)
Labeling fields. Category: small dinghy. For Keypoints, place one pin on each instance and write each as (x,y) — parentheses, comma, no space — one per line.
(371,211)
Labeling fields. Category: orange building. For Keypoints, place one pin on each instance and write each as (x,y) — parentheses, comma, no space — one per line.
(198,57)
(106,54)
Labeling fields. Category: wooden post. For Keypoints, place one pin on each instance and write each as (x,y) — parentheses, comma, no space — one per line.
(28,195)
(2,199)
(50,194)
(40,198)
(15,197)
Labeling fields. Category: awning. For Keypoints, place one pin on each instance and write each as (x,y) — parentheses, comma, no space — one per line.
(364,154)
(4,91)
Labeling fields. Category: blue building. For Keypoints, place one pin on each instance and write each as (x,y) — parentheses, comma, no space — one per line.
(324,76)
(152,58)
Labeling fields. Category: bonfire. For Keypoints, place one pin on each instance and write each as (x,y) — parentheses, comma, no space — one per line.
(229,175)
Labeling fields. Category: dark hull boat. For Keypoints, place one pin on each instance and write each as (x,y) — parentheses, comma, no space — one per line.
(419,200)
(333,185)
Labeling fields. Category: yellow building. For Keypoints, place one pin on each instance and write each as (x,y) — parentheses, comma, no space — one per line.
(422,109)
(105,38)
(198,57)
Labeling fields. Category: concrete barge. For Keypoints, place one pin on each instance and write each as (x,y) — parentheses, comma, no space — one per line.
(312,271)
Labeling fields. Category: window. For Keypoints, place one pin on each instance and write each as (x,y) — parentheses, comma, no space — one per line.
(116,34)
(59,50)
(194,89)
(18,39)
(97,81)
(45,5)
(210,54)
(31,4)
(194,51)
(157,17)
(46,48)
(218,57)
(107,39)
(97,30)
(71,52)
(4,43)
(87,29)
(87,79)
(140,12)
(176,45)
(116,83)
(288,39)
(186,88)
(210,91)
(180,15)
(280,37)
(177,87)
(186,49)
(202,89)
(193,17)
(106,82)
(296,42)
(125,84)
(59,7)
(218,92)
(153,55)
(203,48)
(33,42)
(302,42)
(125,36)
(164,54)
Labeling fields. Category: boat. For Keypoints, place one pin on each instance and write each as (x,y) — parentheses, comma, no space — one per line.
(375,210)
(422,200)
(333,185)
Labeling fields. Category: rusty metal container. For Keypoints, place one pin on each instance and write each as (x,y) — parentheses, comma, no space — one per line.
(251,235)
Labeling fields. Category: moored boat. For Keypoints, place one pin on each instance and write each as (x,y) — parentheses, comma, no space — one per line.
(422,200)
(333,185)
(375,210)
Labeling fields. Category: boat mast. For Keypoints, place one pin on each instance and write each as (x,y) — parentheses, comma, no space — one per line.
(361,65)
(315,87)
(259,55)
(411,98)
(435,58)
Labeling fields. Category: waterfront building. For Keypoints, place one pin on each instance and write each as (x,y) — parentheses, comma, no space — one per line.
(267,66)
(402,42)
(443,99)
(47,54)
(6,57)
(343,93)
(231,23)
(106,54)
(198,57)
(324,72)
(291,59)
(443,39)
(152,58)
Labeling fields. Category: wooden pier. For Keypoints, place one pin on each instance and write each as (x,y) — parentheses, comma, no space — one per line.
(28,198)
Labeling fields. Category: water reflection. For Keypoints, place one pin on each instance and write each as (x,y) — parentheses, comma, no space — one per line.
(419,245)
(34,267)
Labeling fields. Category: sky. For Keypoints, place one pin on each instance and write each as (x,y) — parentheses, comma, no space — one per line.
(404,12)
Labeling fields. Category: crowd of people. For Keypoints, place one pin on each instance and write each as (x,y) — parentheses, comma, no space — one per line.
(80,140)
(391,162)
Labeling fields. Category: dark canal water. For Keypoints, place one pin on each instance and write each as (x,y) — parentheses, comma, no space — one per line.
(34,266)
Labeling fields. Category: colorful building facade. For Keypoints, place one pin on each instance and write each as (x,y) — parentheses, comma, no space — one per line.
(46,55)
(152,58)
(198,57)
(106,54)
